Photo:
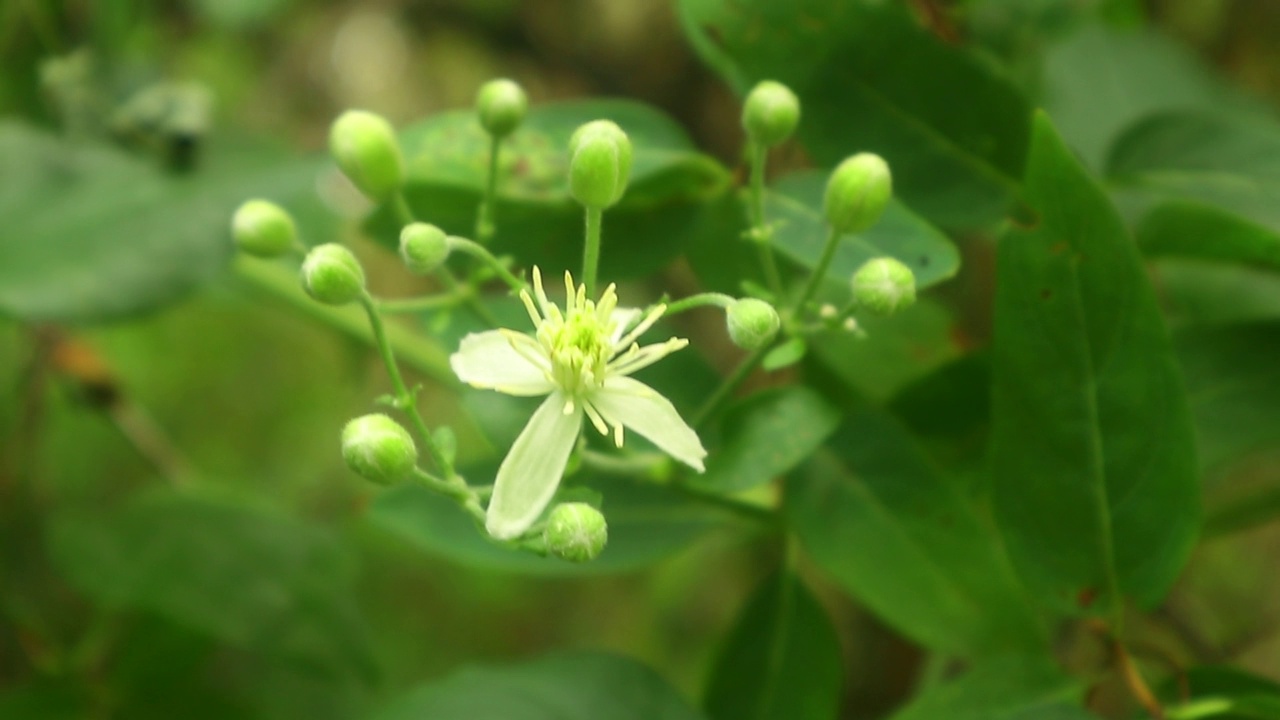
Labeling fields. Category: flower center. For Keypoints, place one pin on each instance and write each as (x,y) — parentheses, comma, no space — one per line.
(578,346)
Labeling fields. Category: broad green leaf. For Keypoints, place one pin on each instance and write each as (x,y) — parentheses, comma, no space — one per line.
(907,542)
(92,233)
(766,435)
(571,686)
(1100,80)
(894,351)
(537,221)
(1210,184)
(795,206)
(781,660)
(949,411)
(1003,688)
(647,523)
(1093,458)
(46,700)
(247,577)
(1225,693)
(1198,292)
(869,77)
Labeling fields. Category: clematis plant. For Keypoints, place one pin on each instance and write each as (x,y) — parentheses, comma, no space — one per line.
(581,359)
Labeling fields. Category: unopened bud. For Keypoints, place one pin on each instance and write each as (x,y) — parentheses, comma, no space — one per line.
(332,275)
(770,113)
(378,449)
(576,532)
(599,164)
(423,247)
(501,105)
(857,193)
(752,323)
(263,228)
(365,146)
(884,286)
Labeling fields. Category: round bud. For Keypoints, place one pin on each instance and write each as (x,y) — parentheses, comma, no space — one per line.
(263,228)
(752,323)
(365,146)
(884,285)
(501,105)
(599,164)
(857,193)
(770,113)
(576,532)
(378,449)
(423,247)
(332,275)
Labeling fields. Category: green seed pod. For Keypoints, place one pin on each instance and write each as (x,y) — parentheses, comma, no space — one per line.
(752,323)
(501,105)
(576,532)
(423,247)
(264,229)
(365,146)
(599,165)
(884,286)
(332,275)
(378,449)
(857,193)
(770,113)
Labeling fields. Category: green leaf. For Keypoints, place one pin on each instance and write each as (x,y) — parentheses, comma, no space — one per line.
(894,352)
(93,234)
(1225,693)
(907,542)
(1004,688)
(1210,183)
(766,435)
(785,355)
(1199,292)
(537,221)
(795,206)
(781,660)
(571,686)
(646,524)
(1093,457)
(247,577)
(952,127)
(1102,79)
(46,700)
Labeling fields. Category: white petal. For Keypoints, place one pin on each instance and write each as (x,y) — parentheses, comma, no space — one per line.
(531,472)
(487,360)
(640,408)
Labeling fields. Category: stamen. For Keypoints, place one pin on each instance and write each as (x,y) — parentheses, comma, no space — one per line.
(646,356)
(644,325)
(540,293)
(529,306)
(568,406)
(596,419)
(527,348)
(617,435)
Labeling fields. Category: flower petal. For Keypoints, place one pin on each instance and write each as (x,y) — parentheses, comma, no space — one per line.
(531,472)
(639,407)
(487,360)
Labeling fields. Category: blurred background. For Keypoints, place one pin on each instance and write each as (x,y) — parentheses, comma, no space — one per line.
(232,390)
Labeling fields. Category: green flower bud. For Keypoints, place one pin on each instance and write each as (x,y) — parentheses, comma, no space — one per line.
(332,275)
(365,146)
(599,165)
(501,105)
(263,228)
(423,247)
(770,113)
(752,323)
(884,285)
(378,449)
(857,193)
(576,532)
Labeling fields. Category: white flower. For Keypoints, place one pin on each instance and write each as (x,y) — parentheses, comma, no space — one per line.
(580,359)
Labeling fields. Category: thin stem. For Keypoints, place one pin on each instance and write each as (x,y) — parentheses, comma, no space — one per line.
(406,400)
(591,250)
(432,302)
(760,233)
(700,300)
(819,272)
(485,225)
(475,249)
(1137,685)
(749,511)
(455,489)
(280,283)
(400,207)
(722,394)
